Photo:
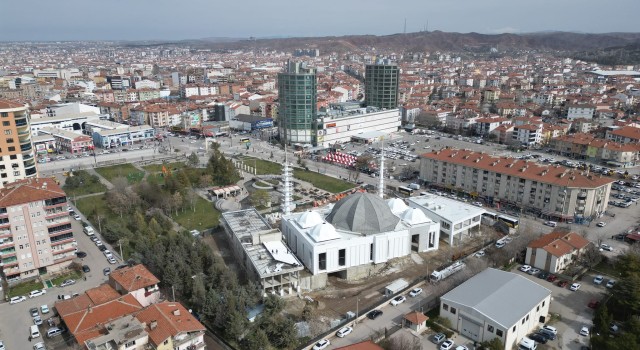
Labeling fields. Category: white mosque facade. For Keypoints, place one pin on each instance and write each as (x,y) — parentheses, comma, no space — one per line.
(357,235)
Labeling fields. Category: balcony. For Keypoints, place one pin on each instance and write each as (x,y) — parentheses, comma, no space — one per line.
(55,202)
(8,252)
(56,214)
(61,237)
(57,229)
(26,147)
(9,261)
(62,251)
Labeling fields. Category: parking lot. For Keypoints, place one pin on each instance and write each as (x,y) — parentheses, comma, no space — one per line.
(14,330)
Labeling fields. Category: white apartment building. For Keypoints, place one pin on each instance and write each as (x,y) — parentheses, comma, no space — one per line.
(528,134)
(580,111)
(548,190)
(35,233)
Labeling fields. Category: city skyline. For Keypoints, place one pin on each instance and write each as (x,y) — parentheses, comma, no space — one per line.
(162,20)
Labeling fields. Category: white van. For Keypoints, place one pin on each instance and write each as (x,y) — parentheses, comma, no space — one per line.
(527,344)
(35,333)
(52,332)
(88,231)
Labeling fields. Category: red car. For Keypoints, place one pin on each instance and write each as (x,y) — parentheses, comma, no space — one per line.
(594,304)
(552,278)
(562,284)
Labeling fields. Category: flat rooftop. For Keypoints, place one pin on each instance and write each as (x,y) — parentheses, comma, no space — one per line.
(269,257)
(447,208)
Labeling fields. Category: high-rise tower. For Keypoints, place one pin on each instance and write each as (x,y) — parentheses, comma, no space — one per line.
(16,150)
(381,85)
(297,92)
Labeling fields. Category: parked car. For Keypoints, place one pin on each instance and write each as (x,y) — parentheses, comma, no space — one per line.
(344,331)
(606,247)
(543,275)
(563,283)
(398,300)
(610,284)
(39,346)
(533,271)
(538,338)
(525,268)
(552,278)
(447,345)
(111,260)
(37,293)
(33,312)
(593,304)
(438,338)
(321,344)
(37,320)
(373,314)
(81,254)
(86,268)
(551,329)
(584,331)
(106,271)
(67,283)
(574,287)
(480,254)
(17,299)
(551,223)
(601,224)
(44,309)
(547,334)
(598,279)
(415,292)
(500,244)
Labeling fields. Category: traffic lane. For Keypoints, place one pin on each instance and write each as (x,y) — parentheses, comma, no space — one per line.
(58,165)
(95,259)
(391,315)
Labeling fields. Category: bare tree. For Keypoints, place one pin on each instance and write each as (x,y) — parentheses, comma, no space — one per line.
(402,342)
(591,256)
(120,184)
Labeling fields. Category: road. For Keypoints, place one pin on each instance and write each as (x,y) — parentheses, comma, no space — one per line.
(14,330)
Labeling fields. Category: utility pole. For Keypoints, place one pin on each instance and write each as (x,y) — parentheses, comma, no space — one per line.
(405,26)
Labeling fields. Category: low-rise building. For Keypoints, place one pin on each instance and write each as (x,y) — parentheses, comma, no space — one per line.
(69,141)
(625,134)
(123,136)
(137,281)
(554,251)
(496,304)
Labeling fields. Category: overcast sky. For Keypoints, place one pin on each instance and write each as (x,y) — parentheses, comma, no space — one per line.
(194,19)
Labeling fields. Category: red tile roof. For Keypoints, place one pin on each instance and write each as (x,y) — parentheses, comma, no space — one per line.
(416,317)
(29,190)
(550,174)
(7,104)
(170,319)
(134,278)
(627,131)
(560,243)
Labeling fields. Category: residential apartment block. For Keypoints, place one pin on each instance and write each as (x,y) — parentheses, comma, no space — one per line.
(549,190)
(35,232)
(588,147)
(16,150)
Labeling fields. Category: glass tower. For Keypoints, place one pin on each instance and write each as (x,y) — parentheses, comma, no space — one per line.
(381,85)
(297,92)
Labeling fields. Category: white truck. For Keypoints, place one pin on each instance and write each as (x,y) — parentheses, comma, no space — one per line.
(414,186)
(395,287)
(88,230)
(446,272)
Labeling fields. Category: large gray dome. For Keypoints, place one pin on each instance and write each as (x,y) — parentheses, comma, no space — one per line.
(363,213)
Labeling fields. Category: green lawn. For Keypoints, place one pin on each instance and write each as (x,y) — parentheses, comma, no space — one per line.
(323,182)
(156,168)
(24,288)
(127,170)
(95,204)
(74,275)
(85,189)
(264,167)
(204,217)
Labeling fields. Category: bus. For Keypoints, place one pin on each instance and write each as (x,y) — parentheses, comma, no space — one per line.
(245,140)
(509,221)
(490,215)
(405,190)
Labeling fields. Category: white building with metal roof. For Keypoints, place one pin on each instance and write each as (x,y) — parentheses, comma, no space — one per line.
(496,304)
(456,218)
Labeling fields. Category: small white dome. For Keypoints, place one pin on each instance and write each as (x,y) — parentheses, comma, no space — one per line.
(309,219)
(323,232)
(414,216)
(397,205)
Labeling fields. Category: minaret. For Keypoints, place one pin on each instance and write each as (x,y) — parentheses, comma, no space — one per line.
(286,180)
(381,185)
